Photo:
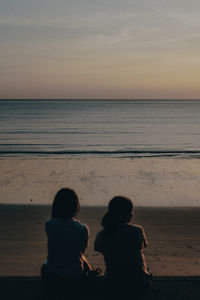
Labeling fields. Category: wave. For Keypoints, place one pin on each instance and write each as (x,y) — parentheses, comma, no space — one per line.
(123,153)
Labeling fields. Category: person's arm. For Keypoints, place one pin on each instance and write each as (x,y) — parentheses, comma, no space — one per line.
(143,238)
(144,244)
(85,238)
(98,243)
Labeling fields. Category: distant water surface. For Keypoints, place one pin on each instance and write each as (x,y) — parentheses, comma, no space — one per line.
(114,128)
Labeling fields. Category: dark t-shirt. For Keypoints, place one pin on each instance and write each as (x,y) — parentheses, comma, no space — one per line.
(67,241)
(123,250)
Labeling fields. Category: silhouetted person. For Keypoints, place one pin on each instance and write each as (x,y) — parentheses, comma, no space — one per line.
(122,246)
(67,241)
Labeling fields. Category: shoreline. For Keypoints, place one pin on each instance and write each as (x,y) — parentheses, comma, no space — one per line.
(193,154)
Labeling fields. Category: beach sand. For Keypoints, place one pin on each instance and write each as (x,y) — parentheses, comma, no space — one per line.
(173,234)
(147,181)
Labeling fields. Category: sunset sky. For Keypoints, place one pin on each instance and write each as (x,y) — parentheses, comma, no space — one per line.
(100,49)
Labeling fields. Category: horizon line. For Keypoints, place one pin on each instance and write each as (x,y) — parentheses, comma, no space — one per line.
(102,99)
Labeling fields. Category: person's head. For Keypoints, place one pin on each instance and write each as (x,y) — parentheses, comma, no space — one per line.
(120,211)
(65,205)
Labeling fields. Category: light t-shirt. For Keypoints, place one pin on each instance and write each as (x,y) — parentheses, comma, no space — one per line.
(67,241)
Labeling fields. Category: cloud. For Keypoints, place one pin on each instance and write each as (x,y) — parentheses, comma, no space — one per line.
(92,37)
(147,24)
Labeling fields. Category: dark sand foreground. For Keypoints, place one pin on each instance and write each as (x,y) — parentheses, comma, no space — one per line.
(173,234)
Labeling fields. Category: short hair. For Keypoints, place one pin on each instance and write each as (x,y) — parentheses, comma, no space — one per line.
(66,204)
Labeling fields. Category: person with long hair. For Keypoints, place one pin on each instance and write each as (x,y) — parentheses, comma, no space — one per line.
(122,245)
(67,238)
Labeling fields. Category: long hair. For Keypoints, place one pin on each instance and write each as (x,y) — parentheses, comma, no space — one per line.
(119,212)
(65,205)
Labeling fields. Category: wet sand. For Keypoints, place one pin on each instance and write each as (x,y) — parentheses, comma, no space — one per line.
(173,234)
(148,182)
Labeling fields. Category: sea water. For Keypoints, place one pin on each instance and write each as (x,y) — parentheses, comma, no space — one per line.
(143,149)
(111,128)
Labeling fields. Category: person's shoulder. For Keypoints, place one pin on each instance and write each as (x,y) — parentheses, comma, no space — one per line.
(139,231)
(135,228)
(48,221)
(138,227)
(100,233)
(81,226)
(51,222)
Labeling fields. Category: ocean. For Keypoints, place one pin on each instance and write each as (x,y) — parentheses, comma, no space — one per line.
(146,150)
(111,128)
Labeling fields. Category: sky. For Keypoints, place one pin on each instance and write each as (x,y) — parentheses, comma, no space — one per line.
(97,49)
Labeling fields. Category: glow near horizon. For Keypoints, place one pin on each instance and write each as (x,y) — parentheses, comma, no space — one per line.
(100,49)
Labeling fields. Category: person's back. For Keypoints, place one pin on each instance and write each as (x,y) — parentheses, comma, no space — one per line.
(122,246)
(67,238)
(123,251)
(67,241)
